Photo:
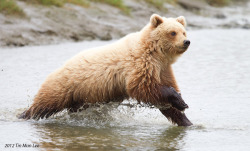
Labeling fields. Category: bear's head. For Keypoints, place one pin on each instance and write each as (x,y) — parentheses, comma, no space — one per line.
(169,34)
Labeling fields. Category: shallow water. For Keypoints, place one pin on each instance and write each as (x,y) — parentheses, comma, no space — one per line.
(213,76)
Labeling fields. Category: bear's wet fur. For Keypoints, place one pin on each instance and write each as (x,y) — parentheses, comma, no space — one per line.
(138,66)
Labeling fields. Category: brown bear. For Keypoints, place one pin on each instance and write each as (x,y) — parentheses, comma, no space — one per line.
(138,66)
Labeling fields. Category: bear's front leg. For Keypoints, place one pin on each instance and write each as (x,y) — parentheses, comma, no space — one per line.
(161,95)
(176,116)
(172,97)
(174,113)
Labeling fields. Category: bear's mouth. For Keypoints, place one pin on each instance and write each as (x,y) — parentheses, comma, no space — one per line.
(182,49)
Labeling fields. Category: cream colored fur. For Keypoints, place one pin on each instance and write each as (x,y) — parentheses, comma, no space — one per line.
(132,67)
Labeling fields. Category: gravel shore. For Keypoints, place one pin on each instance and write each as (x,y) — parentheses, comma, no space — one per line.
(50,25)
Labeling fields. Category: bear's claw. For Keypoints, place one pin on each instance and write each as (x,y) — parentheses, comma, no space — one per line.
(173,98)
(176,117)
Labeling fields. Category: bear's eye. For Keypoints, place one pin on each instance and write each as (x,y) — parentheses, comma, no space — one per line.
(173,33)
(184,34)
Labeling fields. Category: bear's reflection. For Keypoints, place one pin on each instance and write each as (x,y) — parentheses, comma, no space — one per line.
(173,138)
(136,137)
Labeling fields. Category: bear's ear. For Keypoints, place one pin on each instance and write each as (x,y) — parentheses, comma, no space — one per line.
(156,20)
(181,20)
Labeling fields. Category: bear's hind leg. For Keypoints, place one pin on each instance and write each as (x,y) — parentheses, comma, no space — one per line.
(46,103)
(40,110)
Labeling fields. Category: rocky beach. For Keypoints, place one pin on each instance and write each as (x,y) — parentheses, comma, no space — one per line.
(51,24)
(213,76)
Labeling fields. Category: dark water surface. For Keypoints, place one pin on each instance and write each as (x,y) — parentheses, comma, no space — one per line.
(213,76)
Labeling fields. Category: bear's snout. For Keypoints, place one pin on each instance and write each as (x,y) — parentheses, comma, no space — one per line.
(186,43)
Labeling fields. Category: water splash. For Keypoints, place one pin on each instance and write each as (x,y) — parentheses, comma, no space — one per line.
(128,113)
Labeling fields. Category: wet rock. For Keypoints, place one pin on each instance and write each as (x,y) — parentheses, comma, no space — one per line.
(46,32)
(220,16)
(15,41)
(242,23)
(246,26)
(75,37)
(192,5)
(8,22)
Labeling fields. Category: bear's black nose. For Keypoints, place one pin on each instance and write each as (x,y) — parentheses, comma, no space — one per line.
(186,43)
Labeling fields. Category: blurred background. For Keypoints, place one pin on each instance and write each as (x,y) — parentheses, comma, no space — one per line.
(35,22)
(38,36)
